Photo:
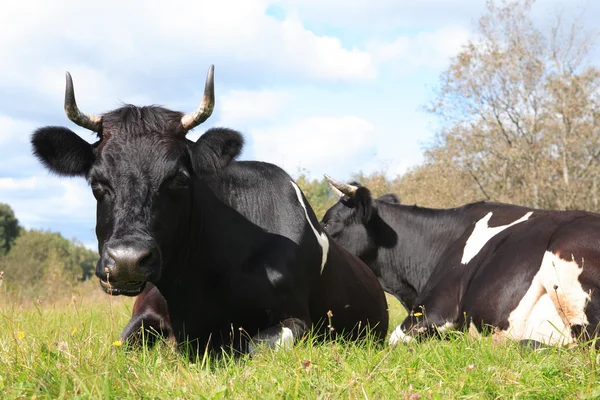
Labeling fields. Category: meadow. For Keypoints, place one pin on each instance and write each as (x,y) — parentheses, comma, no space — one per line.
(68,348)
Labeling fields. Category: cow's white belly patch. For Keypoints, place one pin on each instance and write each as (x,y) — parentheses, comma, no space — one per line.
(321,237)
(554,302)
(482,233)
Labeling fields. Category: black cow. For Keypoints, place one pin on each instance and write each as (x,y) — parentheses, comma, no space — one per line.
(234,247)
(531,275)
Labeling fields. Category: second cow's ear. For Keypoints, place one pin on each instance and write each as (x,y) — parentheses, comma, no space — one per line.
(363,205)
(216,149)
(62,151)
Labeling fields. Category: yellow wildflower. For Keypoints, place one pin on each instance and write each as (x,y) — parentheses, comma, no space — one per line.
(117,343)
(417,314)
(20,335)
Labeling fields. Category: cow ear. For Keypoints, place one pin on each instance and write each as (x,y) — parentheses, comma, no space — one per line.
(363,205)
(390,198)
(216,149)
(62,151)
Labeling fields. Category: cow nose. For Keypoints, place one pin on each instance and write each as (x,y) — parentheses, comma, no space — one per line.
(128,257)
(129,263)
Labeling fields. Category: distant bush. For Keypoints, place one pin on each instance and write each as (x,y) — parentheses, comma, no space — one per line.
(9,228)
(43,263)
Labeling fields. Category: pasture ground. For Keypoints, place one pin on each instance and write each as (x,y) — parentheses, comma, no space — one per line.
(68,349)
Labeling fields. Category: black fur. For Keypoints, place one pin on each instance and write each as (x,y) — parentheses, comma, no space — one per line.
(417,255)
(226,243)
(62,151)
(217,148)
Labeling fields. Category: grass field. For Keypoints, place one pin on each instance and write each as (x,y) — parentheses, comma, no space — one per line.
(68,350)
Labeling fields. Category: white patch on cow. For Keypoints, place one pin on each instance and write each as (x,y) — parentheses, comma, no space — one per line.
(398,336)
(286,340)
(321,237)
(482,233)
(448,326)
(554,302)
(274,275)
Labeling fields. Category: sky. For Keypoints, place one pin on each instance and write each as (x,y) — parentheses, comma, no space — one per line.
(316,86)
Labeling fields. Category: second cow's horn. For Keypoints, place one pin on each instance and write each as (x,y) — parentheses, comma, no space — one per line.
(341,188)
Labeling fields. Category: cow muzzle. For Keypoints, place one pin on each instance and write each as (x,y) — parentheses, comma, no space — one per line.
(125,268)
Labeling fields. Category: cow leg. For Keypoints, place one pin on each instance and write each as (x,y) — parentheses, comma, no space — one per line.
(420,325)
(150,319)
(590,332)
(147,328)
(279,336)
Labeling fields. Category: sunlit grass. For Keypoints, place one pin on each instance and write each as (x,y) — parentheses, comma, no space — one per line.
(71,349)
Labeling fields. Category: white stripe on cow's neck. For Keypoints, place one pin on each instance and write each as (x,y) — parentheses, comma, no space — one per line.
(483,233)
(321,237)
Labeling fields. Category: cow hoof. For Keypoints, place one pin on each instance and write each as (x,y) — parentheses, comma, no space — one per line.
(398,336)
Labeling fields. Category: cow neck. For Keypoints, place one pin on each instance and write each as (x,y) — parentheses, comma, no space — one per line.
(219,238)
(423,236)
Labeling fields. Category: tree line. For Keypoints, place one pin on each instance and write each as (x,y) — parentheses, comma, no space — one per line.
(38,263)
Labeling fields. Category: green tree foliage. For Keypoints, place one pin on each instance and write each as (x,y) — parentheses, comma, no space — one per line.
(318,193)
(9,228)
(45,263)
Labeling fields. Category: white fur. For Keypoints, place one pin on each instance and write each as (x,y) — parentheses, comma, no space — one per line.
(448,326)
(482,233)
(398,336)
(286,340)
(321,237)
(554,302)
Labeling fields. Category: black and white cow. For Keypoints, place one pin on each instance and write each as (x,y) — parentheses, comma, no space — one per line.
(233,248)
(532,275)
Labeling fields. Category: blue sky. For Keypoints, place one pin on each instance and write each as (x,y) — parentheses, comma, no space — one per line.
(327,86)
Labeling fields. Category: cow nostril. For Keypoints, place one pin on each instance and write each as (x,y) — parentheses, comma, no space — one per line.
(146,260)
(129,257)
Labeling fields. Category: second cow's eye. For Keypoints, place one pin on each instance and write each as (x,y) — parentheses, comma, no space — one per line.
(179,180)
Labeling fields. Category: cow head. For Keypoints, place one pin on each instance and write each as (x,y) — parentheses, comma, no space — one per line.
(354,222)
(141,170)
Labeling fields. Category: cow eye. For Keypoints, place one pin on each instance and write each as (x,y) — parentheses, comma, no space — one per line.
(99,190)
(179,180)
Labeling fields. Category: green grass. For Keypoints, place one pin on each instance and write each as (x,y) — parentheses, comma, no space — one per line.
(68,351)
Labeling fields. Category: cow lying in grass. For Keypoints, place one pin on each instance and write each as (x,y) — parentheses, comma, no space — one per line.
(232,246)
(531,275)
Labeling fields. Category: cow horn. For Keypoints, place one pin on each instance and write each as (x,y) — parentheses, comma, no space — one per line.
(195,118)
(341,188)
(88,121)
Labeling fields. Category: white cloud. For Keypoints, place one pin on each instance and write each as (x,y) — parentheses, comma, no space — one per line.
(318,144)
(323,57)
(383,14)
(241,106)
(12,183)
(13,130)
(136,40)
(426,49)
(45,198)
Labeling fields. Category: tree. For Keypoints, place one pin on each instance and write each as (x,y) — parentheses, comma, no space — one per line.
(9,228)
(518,112)
(318,193)
(42,262)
